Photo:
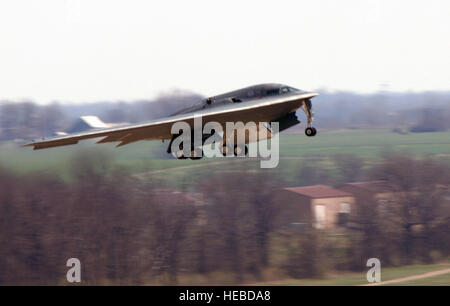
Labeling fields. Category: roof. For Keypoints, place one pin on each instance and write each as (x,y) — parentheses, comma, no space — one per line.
(372,186)
(319,191)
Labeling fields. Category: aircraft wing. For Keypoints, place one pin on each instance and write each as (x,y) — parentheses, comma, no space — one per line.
(259,110)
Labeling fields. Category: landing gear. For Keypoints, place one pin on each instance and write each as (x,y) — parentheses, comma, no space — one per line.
(196,153)
(180,154)
(225,150)
(310,131)
(238,150)
(307,108)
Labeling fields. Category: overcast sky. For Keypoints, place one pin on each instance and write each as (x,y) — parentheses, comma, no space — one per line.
(88,50)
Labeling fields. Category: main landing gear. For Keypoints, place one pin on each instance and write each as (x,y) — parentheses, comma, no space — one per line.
(196,153)
(238,151)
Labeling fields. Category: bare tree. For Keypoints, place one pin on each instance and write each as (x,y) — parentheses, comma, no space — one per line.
(417,207)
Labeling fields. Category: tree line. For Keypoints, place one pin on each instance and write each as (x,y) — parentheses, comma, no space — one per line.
(124,231)
(415,112)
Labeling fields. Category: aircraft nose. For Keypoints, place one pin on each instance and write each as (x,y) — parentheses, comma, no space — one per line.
(311,94)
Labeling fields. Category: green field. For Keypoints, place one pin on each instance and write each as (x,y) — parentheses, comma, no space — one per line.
(365,143)
(352,279)
(145,156)
(441,280)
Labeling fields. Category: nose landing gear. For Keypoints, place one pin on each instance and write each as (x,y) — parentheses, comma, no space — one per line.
(310,131)
(307,108)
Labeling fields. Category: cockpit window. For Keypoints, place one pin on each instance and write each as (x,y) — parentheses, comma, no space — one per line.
(274,91)
(287,89)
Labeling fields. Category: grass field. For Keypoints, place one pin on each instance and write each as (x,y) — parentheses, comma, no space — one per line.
(147,156)
(351,279)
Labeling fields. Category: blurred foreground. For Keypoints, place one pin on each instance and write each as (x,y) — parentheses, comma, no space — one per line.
(223,227)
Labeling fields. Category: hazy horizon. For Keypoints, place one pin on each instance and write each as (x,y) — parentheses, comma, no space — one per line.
(84,51)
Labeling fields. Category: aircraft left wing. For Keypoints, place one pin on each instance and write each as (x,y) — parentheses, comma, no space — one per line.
(161,128)
(152,130)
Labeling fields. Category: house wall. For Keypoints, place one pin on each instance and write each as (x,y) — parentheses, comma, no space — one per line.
(296,208)
(332,209)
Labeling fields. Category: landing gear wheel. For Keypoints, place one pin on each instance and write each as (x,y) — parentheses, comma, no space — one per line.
(180,154)
(196,154)
(225,150)
(310,131)
(238,150)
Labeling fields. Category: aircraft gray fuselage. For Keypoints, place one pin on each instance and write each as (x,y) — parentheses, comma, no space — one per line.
(243,95)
